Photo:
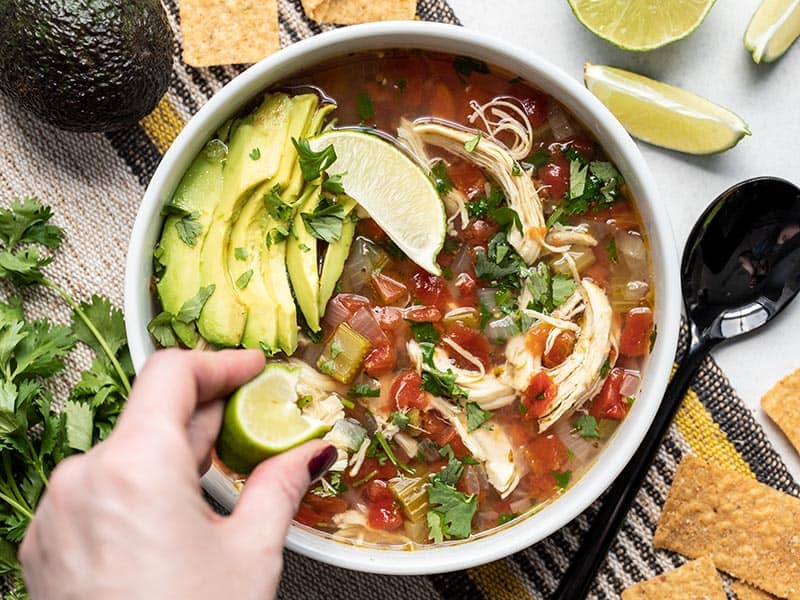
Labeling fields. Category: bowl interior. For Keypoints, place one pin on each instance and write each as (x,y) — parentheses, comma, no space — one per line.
(139,306)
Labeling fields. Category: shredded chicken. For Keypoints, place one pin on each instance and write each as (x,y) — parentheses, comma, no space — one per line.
(353,526)
(564,235)
(490,445)
(511,119)
(495,160)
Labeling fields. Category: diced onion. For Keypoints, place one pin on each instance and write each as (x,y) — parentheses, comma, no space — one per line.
(488,297)
(631,251)
(462,263)
(630,384)
(626,294)
(364,322)
(335,314)
(583,256)
(365,257)
(559,124)
(520,506)
(502,329)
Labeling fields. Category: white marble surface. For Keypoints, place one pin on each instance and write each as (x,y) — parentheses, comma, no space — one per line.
(713,63)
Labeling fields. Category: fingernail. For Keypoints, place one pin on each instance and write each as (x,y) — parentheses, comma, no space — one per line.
(322,461)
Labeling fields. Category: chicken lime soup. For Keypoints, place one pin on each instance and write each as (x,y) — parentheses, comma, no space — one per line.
(449,278)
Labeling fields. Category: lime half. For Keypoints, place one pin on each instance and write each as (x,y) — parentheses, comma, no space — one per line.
(665,115)
(773,28)
(392,189)
(641,24)
(262,419)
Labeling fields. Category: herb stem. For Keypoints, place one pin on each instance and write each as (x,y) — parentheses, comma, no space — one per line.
(12,483)
(24,510)
(37,463)
(100,339)
(391,455)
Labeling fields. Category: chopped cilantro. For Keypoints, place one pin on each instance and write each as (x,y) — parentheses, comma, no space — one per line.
(540,157)
(486,315)
(605,368)
(331,485)
(592,184)
(471,144)
(447,452)
(186,223)
(562,478)
(506,517)
(466,65)
(240,253)
(304,401)
(611,250)
(548,291)
(425,332)
(364,107)
(629,400)
(586,426)
(190,310)
(452,510)
(255,153)
(333,184)
(304,248)
(276,207)
(325,223)
(516,171)
(441,178)
(244,279)
(470,460)
(438,383)
(476,416)
(400,419)
(328,367)
(336,349)
(500,265)
(364,389)
(563,288)
(312,164)
(401,84)
(391,456)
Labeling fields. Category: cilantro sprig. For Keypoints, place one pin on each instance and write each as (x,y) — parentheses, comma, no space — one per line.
(451,511)
(594,184)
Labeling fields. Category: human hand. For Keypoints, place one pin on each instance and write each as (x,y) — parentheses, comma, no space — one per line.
(127,519)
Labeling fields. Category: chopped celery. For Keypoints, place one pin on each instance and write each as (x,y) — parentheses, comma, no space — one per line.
(344,354)
(414,422)
(582,255)
(412,494)
(466,314)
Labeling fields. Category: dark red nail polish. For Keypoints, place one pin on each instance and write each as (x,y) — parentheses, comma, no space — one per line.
(322,461)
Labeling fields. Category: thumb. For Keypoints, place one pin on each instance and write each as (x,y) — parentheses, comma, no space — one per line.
(274,489)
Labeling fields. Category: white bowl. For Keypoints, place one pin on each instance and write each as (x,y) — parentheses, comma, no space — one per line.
(139,306)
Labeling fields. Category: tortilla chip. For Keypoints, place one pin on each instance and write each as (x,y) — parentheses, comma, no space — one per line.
(782,404)
(746,528)
(223,32)
(695,579)
(744,591)
(350,12)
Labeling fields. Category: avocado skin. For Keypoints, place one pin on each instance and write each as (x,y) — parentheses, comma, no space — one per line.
(85,65)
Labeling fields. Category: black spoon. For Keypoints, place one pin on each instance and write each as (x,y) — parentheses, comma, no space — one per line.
(740,268)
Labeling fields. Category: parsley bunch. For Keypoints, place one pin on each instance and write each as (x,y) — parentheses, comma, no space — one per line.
(34,436)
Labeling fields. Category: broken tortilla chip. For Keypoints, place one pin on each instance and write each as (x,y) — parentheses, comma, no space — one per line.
(223,32)
(746,528)
(350,12)
(695,579)
(782,404)
(746,591)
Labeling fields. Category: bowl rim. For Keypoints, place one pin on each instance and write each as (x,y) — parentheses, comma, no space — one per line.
(614,139)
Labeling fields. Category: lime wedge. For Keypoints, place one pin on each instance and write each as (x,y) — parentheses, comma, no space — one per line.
(641,24)
(262,419)
(773,28)
(664,115)
(392,189)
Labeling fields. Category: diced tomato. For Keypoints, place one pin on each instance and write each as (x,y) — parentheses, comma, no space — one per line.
(541,391)
(389,290)
(620,215)
(406,390)
(560,350)
(352,302)
(555,175)
(478,232)
(545,455)
(384,514)
(442,433)
(536,106)
(466,177)
(388,317)
(635,338)
(380,360)
(377,489)
(429,289)
(609,404)
(467,290)
(600,270)
(423,314)
(472,341)
(315,509)
(385,471)
(369,228)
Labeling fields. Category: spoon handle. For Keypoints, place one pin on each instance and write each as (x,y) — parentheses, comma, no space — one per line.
(580,575)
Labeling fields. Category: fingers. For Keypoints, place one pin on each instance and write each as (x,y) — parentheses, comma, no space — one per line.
(203,430)
(274,489)
(174,382)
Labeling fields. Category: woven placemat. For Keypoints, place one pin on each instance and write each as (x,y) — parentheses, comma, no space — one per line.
(95,183)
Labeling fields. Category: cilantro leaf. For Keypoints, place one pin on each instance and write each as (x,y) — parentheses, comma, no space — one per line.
(425,332)
(325,223)
(79,425)
(276,207)
(186,222)
(506,517)
(160,327)
(312,164)
(466,65)
(454,508)
(563,288)
(586,426)
(562,478)
(255,154)
(441,178)
(333,184)
(27,222)
(190,311)
(400,419)
(365,390)
(364,107)
(611,250)
(107,320)
(476,416)
(435,526)
(244,279)
(472,143)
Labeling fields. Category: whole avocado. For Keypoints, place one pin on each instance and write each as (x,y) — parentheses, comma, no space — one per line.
(85,65)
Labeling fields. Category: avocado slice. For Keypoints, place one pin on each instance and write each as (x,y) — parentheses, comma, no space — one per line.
(333,264)
(179,252)
(254,156)
(301,261)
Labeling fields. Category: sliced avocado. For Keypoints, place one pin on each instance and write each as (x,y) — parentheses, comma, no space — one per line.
(197,193)
(333,264)
(301,261)
(254,152)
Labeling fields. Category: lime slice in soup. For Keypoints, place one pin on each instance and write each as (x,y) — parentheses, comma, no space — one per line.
(773,28)
(641,24)
(395,192)
(665,115)
(262,419)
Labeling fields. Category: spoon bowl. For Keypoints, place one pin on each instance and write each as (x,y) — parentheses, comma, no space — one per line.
(742,265)
(740,269)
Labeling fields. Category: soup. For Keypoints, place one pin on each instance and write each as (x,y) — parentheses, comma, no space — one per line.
(459,397)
